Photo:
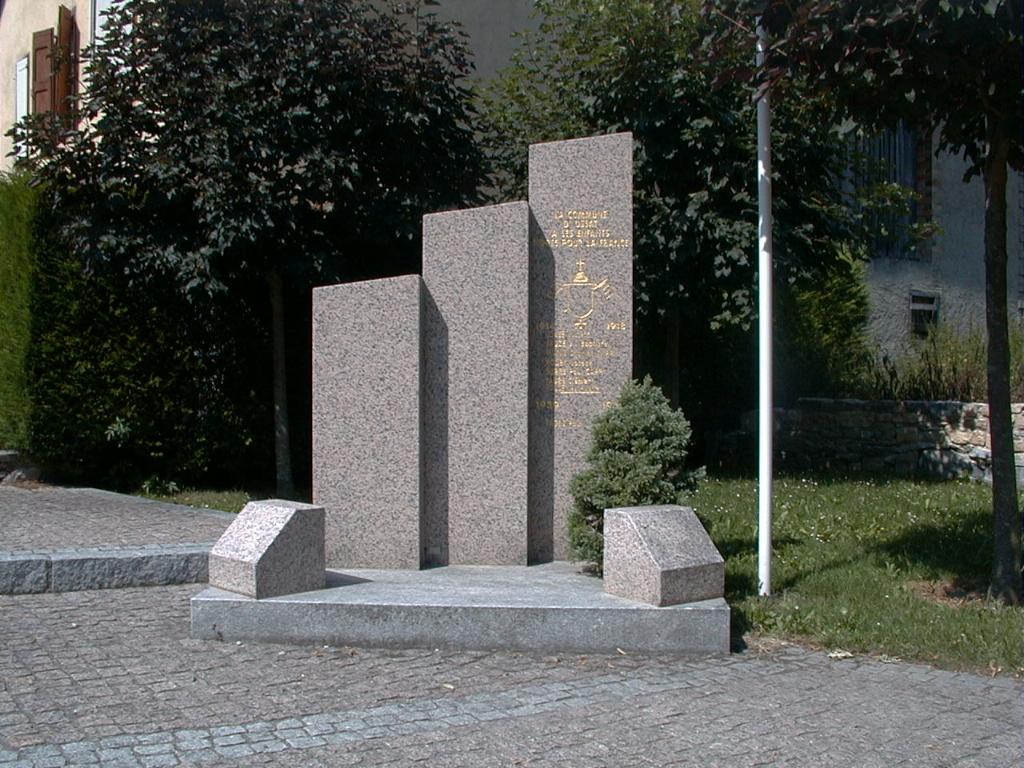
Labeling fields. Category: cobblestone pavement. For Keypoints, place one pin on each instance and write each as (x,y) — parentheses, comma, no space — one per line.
(111,678)
(49,518)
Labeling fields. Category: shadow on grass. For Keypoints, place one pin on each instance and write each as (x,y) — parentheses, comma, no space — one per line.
(962,549)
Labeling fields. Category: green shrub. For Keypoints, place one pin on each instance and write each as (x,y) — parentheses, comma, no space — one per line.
(947,364)
(131,382)
(17,203)
(823,339)
(636,457)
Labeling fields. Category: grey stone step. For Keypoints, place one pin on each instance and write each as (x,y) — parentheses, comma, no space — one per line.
(72,570)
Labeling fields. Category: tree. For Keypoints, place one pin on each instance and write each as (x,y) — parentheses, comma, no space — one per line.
(611,65)
(951,67)
(222,145)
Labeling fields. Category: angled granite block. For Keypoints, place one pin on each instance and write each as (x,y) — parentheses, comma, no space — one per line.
(660,555)
(272,548)
(366,421)
(476,273)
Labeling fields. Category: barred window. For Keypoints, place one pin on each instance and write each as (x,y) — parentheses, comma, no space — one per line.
(924,312)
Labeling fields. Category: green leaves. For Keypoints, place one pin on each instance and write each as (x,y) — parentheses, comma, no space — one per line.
(603,66)
(636,457)
(242,123)
(940,64)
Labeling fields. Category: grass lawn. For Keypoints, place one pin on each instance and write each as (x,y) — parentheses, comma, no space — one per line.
(888,567)
(228,501)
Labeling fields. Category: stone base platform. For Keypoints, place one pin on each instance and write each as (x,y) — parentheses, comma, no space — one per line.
(543,608)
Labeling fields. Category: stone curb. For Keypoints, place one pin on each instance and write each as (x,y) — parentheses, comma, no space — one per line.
(71,570)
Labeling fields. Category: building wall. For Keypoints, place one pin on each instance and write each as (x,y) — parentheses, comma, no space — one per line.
(955,271)
(491,26)
(18,20)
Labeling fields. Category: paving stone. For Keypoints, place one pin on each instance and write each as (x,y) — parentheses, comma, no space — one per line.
(786,707)
(237,750)
(50,518)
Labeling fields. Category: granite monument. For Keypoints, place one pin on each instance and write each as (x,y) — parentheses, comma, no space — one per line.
(450,412)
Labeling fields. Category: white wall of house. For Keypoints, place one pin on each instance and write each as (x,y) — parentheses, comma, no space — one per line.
(18,20)
(955,271)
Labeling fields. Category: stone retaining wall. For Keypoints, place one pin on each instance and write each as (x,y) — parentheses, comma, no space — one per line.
(933,438)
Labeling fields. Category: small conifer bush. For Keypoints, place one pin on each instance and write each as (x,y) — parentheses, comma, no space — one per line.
(636,457)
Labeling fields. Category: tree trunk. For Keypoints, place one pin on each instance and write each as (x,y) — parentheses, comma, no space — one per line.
(282,442)
(1006,567)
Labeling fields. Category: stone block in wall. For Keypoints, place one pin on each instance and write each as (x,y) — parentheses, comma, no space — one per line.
(948,464)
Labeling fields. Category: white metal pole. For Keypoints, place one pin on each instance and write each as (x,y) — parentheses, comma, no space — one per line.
(764,327)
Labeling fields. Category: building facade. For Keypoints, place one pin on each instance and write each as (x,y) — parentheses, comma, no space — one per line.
(943,278)
(40,46)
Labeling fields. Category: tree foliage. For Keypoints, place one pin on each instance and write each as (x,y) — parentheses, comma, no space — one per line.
(637,456)
(17,267)
(221,141)
(253,150)
(131,383)
(953,66)
(611,65)
(599,66)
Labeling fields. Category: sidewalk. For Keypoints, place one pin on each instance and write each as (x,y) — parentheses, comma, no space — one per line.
(67,539)
(112,676)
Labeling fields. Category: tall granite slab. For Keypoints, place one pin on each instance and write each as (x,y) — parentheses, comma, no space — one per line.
(581,202)
(366,421)
(476,385)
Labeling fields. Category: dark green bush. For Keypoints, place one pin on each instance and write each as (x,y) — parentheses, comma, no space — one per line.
(637,457)
(131,382)
(17,204)
(823,342)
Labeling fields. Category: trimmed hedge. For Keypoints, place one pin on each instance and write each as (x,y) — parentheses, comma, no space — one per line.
(132,383)
(17,206)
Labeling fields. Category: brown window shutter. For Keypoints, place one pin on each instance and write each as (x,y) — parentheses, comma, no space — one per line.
(42,71)
(65,76)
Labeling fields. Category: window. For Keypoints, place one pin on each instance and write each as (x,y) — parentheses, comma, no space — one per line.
(99,8)
(21,96)
(903,157)
(924,312)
